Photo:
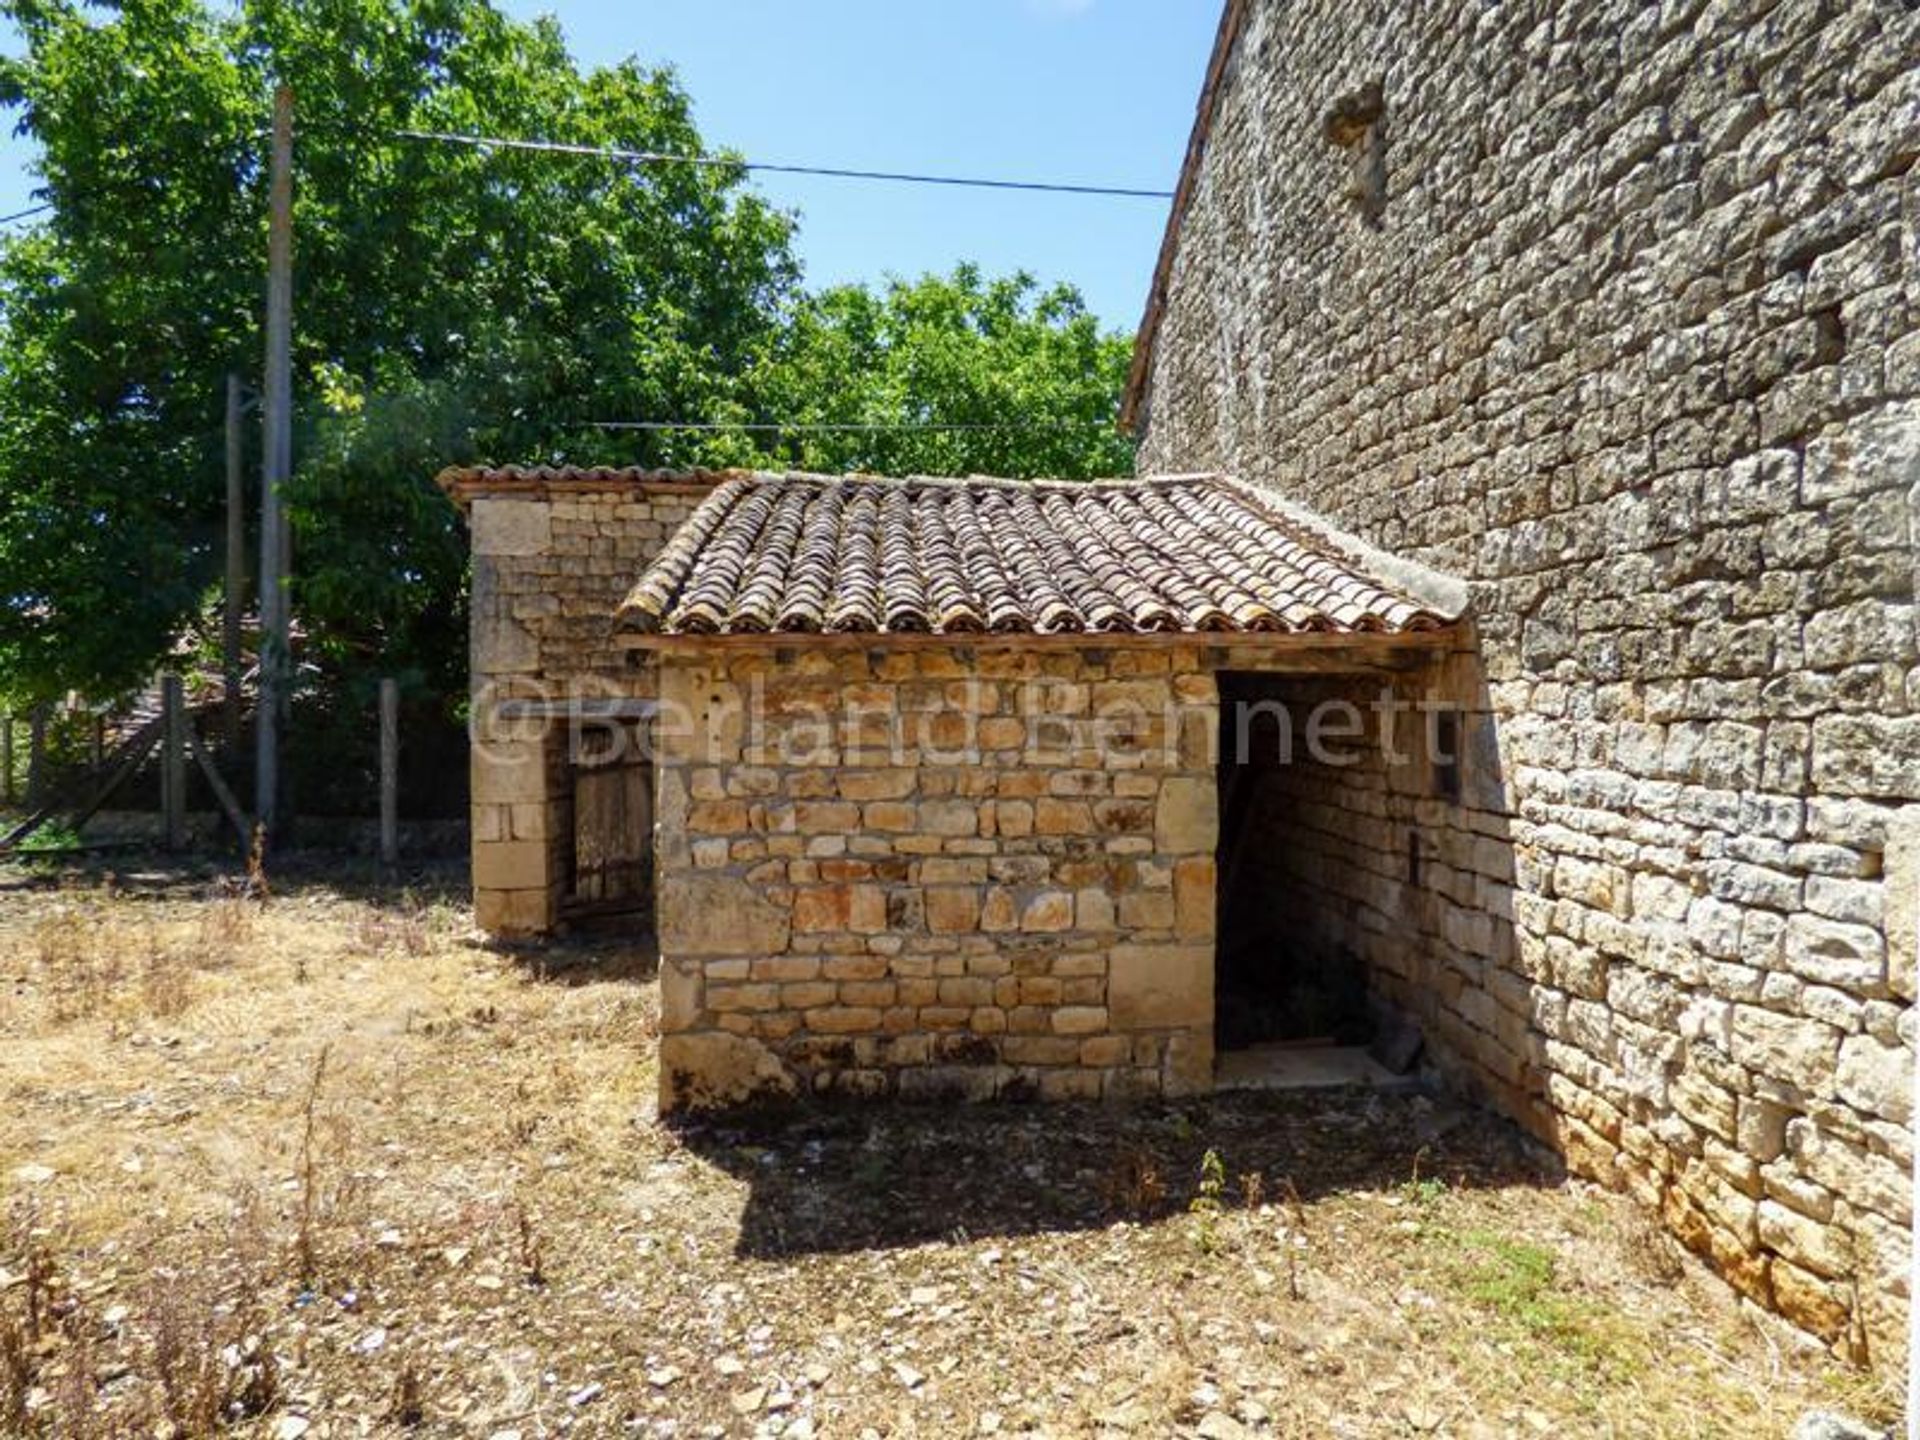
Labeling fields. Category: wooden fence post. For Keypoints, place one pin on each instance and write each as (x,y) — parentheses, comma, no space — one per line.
(173,760)
(389,771)
(37,756)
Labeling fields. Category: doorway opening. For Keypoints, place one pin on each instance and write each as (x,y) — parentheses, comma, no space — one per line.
(1295,792)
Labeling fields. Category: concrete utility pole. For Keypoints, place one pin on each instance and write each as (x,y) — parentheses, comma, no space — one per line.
(276,469)
(236,555)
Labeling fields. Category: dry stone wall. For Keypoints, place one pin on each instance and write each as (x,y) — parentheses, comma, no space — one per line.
(941,872)
(1616,319)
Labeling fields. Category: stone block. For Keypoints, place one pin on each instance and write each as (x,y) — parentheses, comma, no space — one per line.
(1053,816)
(711,1070)
(1876,1078)
(1187,820)
(510,526)
(703,914)
(1194,888)
(1079,1020)
(1160,987)
(1799,1051)
(1050,910)
(510,865)
(1833,952)
(682,988)
(952,909)
(843,1020)
(512,913)
(509,774)
(1147,910)
(1900,902)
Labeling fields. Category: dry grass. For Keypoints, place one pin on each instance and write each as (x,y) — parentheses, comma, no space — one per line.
(323,1158)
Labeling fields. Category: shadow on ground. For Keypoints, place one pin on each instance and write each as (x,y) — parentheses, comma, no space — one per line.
(137,873)
(853,1179)
(631,955)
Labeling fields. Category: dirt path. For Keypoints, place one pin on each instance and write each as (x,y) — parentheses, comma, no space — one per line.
(329,1168)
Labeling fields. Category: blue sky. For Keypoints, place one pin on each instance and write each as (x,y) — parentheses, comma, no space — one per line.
(1088,91)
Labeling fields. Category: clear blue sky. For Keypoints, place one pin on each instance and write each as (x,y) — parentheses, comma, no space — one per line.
(1090,91)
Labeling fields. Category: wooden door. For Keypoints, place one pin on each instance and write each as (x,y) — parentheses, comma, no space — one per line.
(613,830)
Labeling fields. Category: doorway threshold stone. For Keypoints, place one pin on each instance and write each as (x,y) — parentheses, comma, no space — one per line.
(1305,1067)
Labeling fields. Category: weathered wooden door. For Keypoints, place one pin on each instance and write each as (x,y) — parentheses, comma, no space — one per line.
(613,829)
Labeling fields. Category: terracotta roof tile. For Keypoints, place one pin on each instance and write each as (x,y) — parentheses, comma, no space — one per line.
(799,553)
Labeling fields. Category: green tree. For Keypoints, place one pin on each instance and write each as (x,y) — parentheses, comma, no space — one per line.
(1023,374)
(451,303)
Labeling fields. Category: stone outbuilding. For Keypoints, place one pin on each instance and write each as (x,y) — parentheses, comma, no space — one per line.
(937,771)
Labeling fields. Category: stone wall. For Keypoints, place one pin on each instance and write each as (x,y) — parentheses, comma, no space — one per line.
(551,563)
(937,871)
(1611,309)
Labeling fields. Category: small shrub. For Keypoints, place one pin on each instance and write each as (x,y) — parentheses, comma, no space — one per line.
(1206,1205)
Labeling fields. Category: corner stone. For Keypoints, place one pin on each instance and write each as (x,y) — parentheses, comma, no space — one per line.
(1160,987)
(715,1070)
(718,915)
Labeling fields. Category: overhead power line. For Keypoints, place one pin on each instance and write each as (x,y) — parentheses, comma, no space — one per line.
(656,157)
(28,213)
(823,427)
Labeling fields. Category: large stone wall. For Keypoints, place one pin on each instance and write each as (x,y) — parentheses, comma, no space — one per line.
(551,563)
(936,871)
(1610,309)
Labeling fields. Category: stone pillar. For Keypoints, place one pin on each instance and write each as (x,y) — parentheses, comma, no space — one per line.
(513,768)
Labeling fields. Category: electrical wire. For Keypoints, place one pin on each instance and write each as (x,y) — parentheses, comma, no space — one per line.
(837,428)
(656,157)
(29,212)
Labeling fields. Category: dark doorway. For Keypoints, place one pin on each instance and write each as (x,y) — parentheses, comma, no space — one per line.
(1283,973)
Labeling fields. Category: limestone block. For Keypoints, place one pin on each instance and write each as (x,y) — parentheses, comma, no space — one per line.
(1876,1078)
(712,1070)
(501,645)
(1901,901)
(1872,1182)
(1079,1020)
(1833,952)
(1050,910)
(952,908)
(1189,1062)
(1802,1052)
(1815,1305)
(509,865)
(1187,821)
(682,990)
(718,915)
(1160,987)
(510,913)
(510,526)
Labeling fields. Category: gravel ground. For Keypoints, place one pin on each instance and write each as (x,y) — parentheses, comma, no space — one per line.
(328,1166)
